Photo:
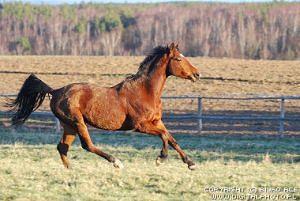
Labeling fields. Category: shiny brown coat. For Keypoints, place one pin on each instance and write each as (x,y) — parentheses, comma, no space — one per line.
(133,104)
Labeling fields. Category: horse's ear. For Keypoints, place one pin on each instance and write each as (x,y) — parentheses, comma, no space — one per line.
(171,46)
(176,46)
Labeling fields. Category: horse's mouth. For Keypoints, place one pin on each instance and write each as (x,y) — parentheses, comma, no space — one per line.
(194,77)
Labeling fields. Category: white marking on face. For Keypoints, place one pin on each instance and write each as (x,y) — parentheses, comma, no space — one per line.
(181,55)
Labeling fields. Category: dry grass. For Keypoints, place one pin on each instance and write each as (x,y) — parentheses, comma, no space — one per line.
(268,72)
(31,169)
(265,77)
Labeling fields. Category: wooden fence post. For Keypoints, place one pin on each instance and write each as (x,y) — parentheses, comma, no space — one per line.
(57,125)
(282,115)
(200,126)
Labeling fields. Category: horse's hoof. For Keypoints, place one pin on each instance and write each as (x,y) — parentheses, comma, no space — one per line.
(192,167)
(118,164)
(159,161)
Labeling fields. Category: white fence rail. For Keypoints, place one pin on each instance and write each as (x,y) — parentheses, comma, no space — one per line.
(200,117)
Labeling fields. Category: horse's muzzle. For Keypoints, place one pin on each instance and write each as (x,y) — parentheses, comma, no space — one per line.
(194,77)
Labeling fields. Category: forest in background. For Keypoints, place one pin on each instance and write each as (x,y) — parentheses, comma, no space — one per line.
(249,30)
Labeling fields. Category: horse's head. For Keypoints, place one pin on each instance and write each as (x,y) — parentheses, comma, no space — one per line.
(180,66)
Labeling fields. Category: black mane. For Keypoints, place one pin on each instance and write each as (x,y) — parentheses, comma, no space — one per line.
(149,63)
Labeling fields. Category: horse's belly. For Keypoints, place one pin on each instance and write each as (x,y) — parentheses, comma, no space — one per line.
(102,108)
(107,122)
(105,117)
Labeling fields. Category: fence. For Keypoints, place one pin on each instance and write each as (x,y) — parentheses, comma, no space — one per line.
(200,117)
(281,118)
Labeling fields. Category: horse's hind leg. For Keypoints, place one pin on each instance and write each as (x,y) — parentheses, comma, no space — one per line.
(87,144)
(65,143)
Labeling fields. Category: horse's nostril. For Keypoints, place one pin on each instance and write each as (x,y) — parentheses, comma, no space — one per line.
(197,75)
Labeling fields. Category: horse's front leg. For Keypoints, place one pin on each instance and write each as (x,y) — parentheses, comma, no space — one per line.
(184,157)
(158,128)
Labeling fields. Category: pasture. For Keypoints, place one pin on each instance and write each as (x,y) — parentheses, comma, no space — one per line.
(31,168)
(223,77)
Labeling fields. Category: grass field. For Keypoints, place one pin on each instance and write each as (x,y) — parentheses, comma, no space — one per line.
(31,168)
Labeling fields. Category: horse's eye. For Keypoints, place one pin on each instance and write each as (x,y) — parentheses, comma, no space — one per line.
(177,59)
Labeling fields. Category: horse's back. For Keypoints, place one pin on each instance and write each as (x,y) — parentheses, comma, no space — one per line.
(99,106)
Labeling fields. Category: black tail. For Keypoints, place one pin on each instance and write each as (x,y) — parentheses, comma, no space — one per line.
(30,97)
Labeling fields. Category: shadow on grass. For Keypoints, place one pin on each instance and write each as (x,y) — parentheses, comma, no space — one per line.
(201,148)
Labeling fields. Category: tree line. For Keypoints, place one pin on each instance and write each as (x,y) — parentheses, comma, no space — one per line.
(249,30)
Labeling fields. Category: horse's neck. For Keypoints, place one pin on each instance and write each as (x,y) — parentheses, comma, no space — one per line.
(156,80)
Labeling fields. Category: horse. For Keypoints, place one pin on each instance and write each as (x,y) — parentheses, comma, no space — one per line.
(133,104)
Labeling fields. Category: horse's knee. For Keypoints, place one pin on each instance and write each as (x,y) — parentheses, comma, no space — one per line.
(62,148)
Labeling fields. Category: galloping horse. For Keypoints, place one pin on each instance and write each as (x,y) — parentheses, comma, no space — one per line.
(133,104)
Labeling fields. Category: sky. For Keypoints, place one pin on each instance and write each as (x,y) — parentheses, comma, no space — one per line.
(131,1)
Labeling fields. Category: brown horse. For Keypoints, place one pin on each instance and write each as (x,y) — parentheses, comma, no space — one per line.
(133,104)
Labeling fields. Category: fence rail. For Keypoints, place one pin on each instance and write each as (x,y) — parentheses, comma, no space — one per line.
(200,117)
(281,117)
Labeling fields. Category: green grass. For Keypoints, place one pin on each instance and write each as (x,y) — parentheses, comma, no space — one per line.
(30,167)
